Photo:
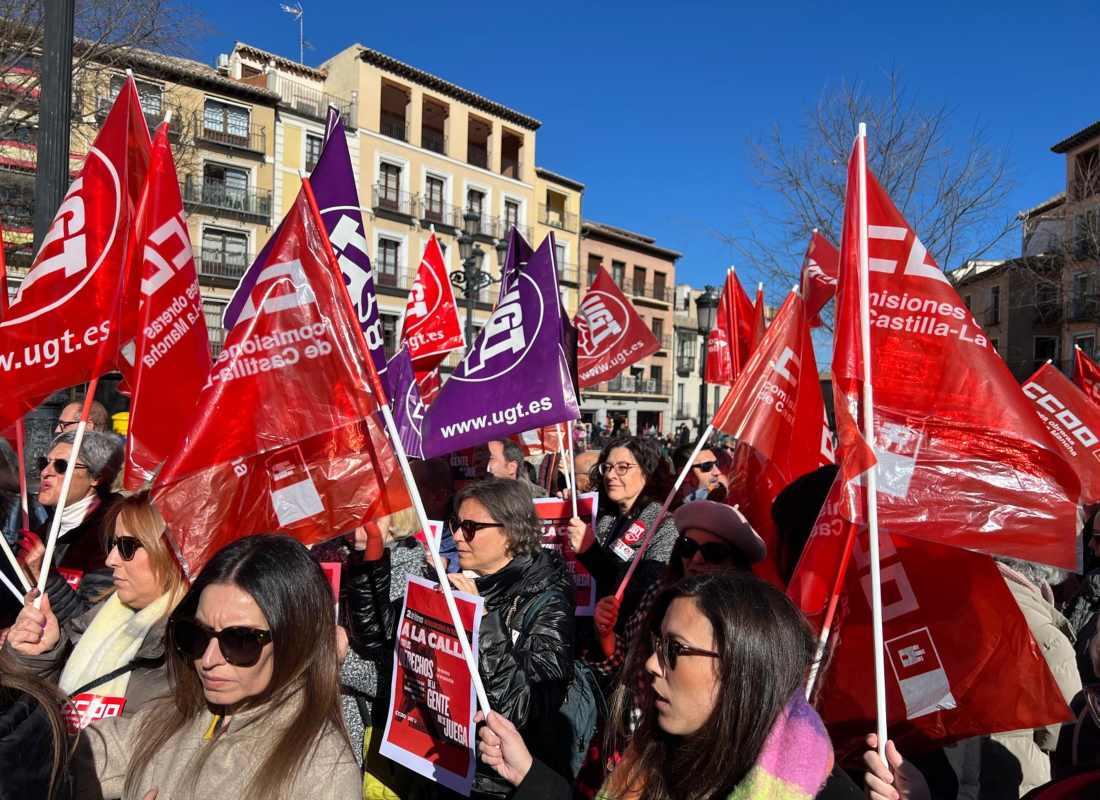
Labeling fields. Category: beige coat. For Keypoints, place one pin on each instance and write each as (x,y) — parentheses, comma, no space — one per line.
(1030,748)
(329,772)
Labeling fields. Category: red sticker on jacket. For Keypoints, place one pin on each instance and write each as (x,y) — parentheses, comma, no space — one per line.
(634,533)
(71,576)
(86,708)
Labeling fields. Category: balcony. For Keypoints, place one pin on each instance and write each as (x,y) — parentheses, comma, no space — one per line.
(504,227)
(152,118)
(630,384)
(487,227)
(394,127)
(1047,311)
(311,101)
(443,214)
(685,411)
(252,139)
(220,265)
(656,291)
(392,275)
(557,218)
(1084,308)
(568,272)
(685,364)
(384,198)
(217,198)
(433,140)
(477,156)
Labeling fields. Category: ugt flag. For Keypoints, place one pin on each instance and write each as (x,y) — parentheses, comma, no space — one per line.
(947,618)
(610,334)
(170,356)
(1086,374)
(333,182)
(404,396)
(515,377)
(1073,422)
(819,275)
(66,310)
(285,435)
(432,328)
(962,458)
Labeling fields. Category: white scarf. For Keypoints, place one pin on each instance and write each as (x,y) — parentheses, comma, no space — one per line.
(74,513)
(110,642)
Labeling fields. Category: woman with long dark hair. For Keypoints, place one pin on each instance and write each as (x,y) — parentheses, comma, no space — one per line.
(253,710)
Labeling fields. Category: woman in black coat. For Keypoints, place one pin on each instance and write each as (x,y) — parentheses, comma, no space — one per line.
(525,644)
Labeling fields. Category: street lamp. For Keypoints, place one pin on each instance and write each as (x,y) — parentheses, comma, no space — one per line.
(472,278)
(706,312)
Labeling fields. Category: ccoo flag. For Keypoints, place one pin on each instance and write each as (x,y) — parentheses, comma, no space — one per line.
(1086,374)
(610,334)
(729,344)
(962,458)
(1073,422)
(285,435)
(170,355)
(67,308)
(515,376)
(333,182)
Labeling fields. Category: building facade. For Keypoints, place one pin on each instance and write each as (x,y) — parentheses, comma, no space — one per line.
(559,212)
(641,397)
(690,363)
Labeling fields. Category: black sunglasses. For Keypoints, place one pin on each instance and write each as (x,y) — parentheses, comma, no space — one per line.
(240,646)
(127,546)
(60,465)
(713,552)
(668,650)
(470,528)
(704,466)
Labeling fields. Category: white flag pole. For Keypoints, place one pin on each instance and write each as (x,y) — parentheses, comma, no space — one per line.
(55,523)
(374,385)
(571,469)
(871,476)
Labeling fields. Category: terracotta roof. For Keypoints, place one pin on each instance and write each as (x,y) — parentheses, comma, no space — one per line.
(287,64)
(543,172)
(1046,205)
(391,64)
(1082,136)
(184,70)
(627,238)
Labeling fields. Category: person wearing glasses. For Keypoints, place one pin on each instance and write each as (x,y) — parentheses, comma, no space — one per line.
(704,481)
(116,648)
(630,476)
(721,713)
(715,539)
(79,549)
(253,708)
(525,643)
(98,418)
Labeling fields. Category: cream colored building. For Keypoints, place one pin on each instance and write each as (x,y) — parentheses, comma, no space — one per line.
(559,211)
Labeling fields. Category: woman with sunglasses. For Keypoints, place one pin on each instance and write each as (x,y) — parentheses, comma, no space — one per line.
(116,648)
(714,539)
(525,644)
(721,713)
(253,707)
(630,476)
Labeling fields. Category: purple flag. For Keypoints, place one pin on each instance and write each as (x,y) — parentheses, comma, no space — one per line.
(404,396)
(515,376)
(333,184)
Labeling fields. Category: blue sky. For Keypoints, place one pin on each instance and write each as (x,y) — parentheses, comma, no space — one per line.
(655,106)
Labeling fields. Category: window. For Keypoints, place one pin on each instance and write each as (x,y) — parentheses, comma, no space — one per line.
(225,122)
(1087,342)
(225,187)
(639,280)
(656,372)
(511,214)
(594,264)
(994,317)
(475,201)
(389,260)
(1086,240)
(224,253)
(681,409)
(1087,174)
(389,182)
(1081,282)
(150,96)
(389,334)
(658,327)
(433,198)
(618,272)
(659,285)
(559,254)
(212,312)
(1046,347)
(313,150)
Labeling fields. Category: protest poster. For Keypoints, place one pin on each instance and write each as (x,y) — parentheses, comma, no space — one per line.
(430,722)
(468,465)
(554,514)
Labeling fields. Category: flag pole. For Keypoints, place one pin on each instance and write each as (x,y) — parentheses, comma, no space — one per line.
(869,436)
(379,392)
(830,612)
(571,470)
(663,512)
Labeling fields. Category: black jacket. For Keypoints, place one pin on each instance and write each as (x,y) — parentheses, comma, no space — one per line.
(26,749)
(525,645)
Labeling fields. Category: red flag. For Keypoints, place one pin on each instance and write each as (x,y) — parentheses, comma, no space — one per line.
(759,323)
(948,620)
(285,434)
(610,334)
(432,328)
(171,356)
(820,268)
(729,344)
(429,383)
(1073,422)
(962,458)
(777,414)
(66,308)
(1086,374)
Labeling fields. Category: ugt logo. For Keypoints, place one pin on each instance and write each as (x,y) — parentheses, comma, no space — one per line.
(601,323)
(502,334)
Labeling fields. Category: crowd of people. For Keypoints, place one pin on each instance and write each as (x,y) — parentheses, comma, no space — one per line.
(691,683)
